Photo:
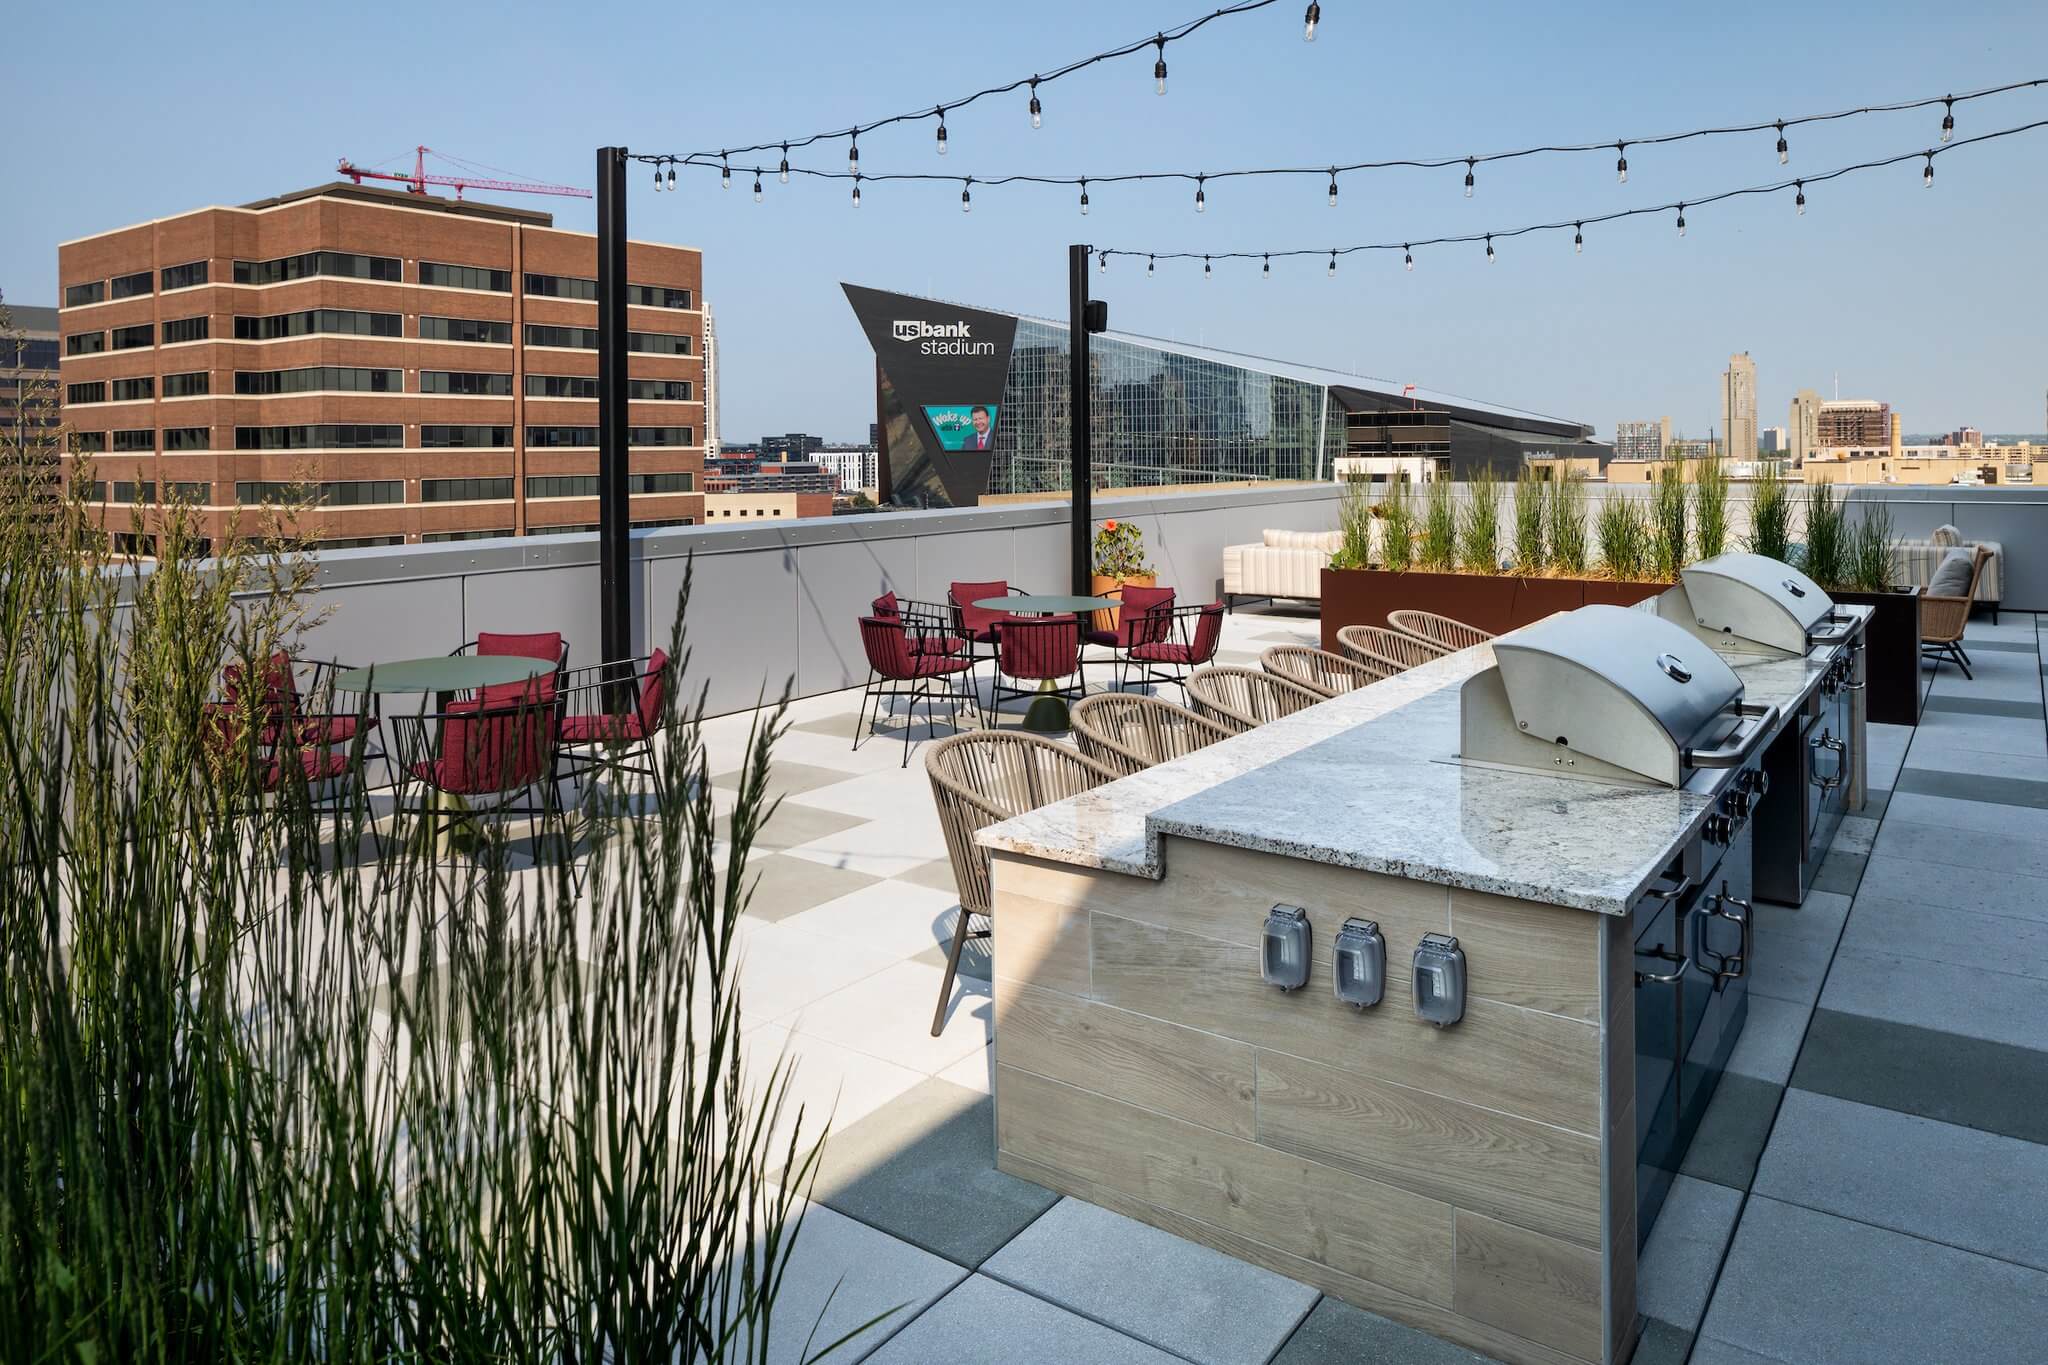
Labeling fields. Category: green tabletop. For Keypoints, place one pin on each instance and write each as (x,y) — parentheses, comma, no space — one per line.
(448,673)
(1049,605)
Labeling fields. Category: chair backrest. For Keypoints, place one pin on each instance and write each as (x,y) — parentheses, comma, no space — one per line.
(1388,649)
(280,687)
(545,644)
(1318,670)
(888,646)
(965,595)
(1205,632)
(653,691)
(1130,732)
(986,777)
(497,748)
(886,606)
(1243,698)
(1438,630)
(1039,647)
(539,690)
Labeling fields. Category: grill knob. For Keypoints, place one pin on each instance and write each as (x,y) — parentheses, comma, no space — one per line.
(1738,804)
(1755,782)
(1719,829)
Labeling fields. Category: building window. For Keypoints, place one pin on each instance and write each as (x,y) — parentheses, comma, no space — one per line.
(92,343)
(191,492)
(133,390)
(128,286)
(440,276)
(661,436)
(661,483)
(435,537)
(475,330)
(561,385)
(193,384)
(656,296)
(320,379)
(345,493)
(89,442)
(323,436)
(342,263)
(561,287)
(342,321)
(582,528)
(472,384)
(568,338)
(658,343)
(187,438)
(78,295)
(184,276)
(537,437)
(657,524)
(128,338)
(465,490)
(562,486)
(133,442)
(357,542)
(186,329)
(125,490)
(441,437)
(658,390)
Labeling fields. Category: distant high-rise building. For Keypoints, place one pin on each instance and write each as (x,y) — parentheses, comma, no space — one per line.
(857,468)
(710,384)
(1961,436)
(795,446)
(1738,406)
(1804,424)
(1642,440)
(1774,441)
(1853,422)
(28,370)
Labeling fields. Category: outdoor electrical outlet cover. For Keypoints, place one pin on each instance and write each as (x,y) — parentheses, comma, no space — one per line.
(1284,957)
(1360,969)
(1439,980)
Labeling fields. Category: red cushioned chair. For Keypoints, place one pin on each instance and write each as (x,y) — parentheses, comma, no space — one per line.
(928,620)
(257,770)
(902,663)
(546,644)
(308,713)
(1192,643)
(498,759)
(596,735)
(1037,650)
(1144,616)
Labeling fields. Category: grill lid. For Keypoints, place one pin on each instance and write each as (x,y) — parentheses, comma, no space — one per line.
(1755,598)
(1623,687)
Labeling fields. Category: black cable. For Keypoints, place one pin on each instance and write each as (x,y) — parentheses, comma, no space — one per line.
(1798,183)
(1949,101)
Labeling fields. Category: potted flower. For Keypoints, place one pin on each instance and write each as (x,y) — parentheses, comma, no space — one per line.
(1119,563)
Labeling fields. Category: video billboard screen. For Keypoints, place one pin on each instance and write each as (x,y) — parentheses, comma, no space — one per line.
(963,426)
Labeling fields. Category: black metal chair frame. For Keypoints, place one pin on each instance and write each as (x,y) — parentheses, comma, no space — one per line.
(999,692)
(415,743)
(602,686)
(956,687)
(1186,621)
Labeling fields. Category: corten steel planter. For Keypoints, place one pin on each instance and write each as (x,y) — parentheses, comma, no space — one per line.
(1891,661)
(1492,602)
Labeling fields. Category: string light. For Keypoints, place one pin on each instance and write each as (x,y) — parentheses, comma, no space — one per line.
(1150,263)
(1799,204)
(782,173)
(856,191)
(1784,148)
(1948,118)
(1084,197)
(1621,162)
(1037,110)
(1408,257)
(1332,272)
(1927,173)
(1267,269)
(757,186)
(966,199)
(942,129)
(1681,218)
(671,175)
(1205,268)
(1333,187)
(853,157)
(1468,176)
(1102,263)
(1489,248)
(1159,67)
(657,176)
(1309,22)
(724,176)
(1578,240)
(1201,199)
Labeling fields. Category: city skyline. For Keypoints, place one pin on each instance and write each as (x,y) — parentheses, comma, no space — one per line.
(1529,329)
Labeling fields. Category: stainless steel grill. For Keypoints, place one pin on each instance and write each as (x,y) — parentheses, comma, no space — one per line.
(1609,693)
(1747,603)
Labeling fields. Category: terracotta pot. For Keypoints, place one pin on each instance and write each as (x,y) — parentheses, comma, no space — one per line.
(1102,585)
(1891,666)
(1492,602)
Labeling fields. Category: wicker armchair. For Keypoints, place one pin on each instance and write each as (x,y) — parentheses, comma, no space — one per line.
(1390,649)
(1442,631)
(1942,620)
(1130,732)
(982,779)
(1320,671)
(1241,699)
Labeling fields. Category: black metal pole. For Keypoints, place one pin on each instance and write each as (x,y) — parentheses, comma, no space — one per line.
(1083,510)
(614,515)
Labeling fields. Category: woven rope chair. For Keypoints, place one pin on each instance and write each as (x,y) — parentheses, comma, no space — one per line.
(1389,649)
(1130,732)
(1943,619)
(1320,671)
(1427,626)
(1241,699)
(983,779)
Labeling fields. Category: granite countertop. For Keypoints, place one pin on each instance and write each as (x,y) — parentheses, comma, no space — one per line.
(1371,780)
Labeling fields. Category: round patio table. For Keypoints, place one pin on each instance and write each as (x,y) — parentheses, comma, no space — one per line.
(1048,713)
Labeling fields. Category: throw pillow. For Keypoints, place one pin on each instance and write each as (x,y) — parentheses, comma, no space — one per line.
(1946,535)
(1952,577)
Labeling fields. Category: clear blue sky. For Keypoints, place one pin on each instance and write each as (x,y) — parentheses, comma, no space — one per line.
(1930,300)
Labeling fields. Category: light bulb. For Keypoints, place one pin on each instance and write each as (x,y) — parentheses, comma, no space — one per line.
(1332,272)
(1468,177)
(1201,199)
(1489,248)
(1578,240)
(782,173)
(942,132)
(1102,262)
(1407,257)
(657,175)
(1333,189)
(725,177)
(853,156)
(757,187)
(1784,148)
(1206,272)
(1681,220)
(1149,262)
(1084,199)
(1948,119)
(1037,113)
(856,191)
(1621,163)
(1799,204)
(1927,173)
(1159,69)
(966,199)
(1309,22)
(671,175)
(1267,269)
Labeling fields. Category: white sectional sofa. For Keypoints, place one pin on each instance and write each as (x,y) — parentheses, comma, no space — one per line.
(1284,564)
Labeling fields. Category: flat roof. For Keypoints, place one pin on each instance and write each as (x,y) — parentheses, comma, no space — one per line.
(370,194)
(29,318)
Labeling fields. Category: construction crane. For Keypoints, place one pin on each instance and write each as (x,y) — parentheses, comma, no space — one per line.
(417,182)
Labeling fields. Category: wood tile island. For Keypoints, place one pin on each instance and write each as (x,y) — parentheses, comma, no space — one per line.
(1477,1181)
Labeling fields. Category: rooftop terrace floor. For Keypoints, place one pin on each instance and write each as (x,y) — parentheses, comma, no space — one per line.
(1870,1183)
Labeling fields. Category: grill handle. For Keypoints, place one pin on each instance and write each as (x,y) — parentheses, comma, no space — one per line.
(1830,630)
(1763,721)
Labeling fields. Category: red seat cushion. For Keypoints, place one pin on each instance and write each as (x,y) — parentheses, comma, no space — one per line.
(601,729)
(537,645)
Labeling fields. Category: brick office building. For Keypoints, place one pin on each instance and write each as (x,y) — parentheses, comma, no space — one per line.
(428,366)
